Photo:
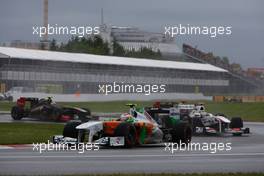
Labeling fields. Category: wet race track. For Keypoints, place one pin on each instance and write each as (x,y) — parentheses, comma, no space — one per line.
(246,155)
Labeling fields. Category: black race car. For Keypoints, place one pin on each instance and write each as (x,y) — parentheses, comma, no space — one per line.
(46,109)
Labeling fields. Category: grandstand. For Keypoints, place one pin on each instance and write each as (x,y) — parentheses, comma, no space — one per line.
(234,70)
(76,72)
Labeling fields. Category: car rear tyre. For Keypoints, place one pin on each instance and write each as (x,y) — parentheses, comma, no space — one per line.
(129,132)
(236,122)
(247,131)
(70,129)
(17,113)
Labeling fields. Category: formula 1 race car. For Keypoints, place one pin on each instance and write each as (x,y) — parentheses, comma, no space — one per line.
(201,121)
(46,109)
(134,128)
(207,123)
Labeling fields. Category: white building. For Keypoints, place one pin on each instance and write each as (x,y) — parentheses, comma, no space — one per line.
(134,38)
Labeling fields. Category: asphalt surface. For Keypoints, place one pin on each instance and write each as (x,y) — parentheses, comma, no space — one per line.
(246,155)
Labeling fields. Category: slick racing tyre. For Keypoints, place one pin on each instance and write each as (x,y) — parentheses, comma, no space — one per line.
(129,132)
(236,122)
(70,129)
(17,113)
(182,132)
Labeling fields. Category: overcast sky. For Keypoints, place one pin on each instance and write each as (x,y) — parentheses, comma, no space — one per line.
(245,45)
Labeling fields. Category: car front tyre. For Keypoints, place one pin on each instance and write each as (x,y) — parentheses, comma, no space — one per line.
(16,113)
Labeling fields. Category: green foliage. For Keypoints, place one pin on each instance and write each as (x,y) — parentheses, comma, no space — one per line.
(42,46)
(53,46)
(225,60)
(96,45)
(91,45)
(118,50)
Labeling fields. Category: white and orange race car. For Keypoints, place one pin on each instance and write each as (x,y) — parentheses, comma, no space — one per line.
(132,129)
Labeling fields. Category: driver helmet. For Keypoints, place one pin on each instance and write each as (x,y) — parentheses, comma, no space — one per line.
(49,99)
(125,117)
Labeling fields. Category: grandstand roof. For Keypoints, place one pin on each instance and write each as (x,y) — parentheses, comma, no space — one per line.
(7,52)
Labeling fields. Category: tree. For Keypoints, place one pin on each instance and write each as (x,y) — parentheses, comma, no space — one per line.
(225,60)
(118,50)
(53,45)
(92,45)
(96,45)
(42,46)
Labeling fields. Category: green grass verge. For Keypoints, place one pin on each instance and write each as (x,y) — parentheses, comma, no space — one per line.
(6,106)
(27,133)
(248,111)
(112,106)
